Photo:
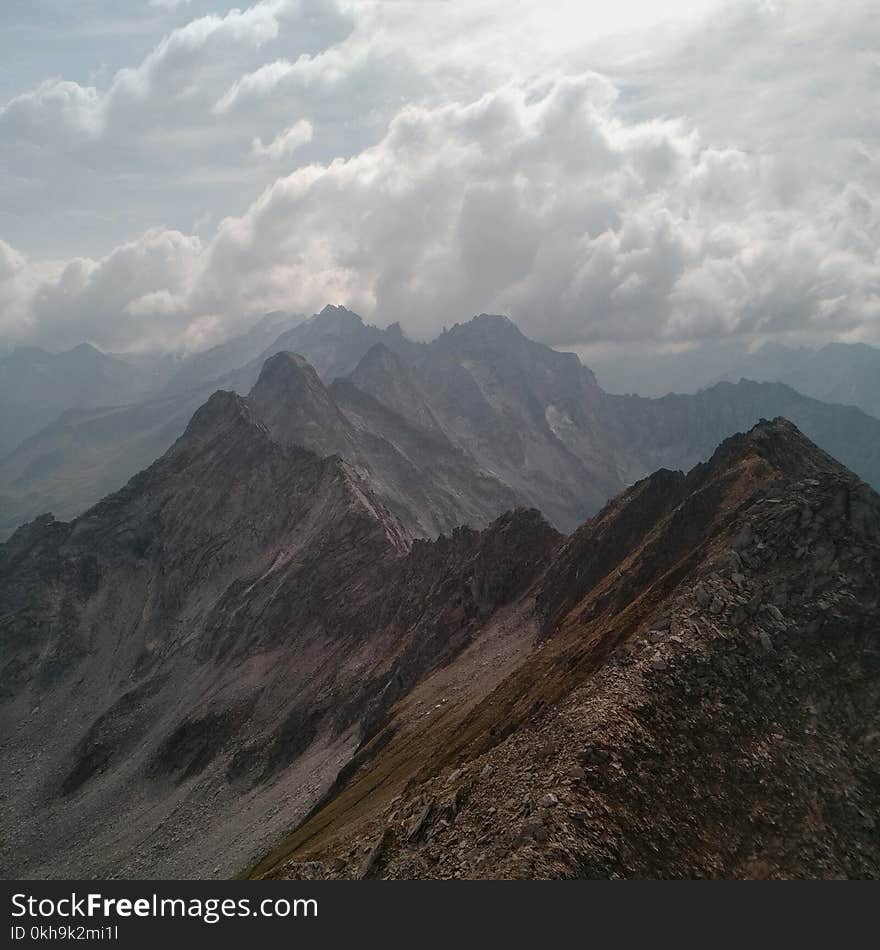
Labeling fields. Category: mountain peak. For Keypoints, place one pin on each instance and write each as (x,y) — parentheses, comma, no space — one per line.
(287,377)
(339,316)
(296,407)
(779,442)
(489,326)
(222,410)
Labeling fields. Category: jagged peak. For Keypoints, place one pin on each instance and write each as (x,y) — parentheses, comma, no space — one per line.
(780,443)
(339,316)
(493,325)
(296,407)
(222,410)
(285,371)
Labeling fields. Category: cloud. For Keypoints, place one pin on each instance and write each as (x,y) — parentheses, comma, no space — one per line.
(169,69)
(537,201)
(55,111)
(286,142)
(88,165)
(127,297)
(709,184)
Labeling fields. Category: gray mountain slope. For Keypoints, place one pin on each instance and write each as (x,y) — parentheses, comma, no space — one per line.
(429,484)
(216,363)
(518,423)
(187,666)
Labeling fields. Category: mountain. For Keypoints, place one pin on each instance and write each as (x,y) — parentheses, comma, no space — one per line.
(430,485)
(678,431)
(86,454)
(846,373)
(35,386)
(80,449)
(501,398)
(694,694)
(216,363)
(334,341)
(243,653)
(843,373)
(384,375)
(477,421)
(194,659)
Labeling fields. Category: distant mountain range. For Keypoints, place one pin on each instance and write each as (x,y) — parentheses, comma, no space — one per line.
(454,431)
(36,386)
(843,373)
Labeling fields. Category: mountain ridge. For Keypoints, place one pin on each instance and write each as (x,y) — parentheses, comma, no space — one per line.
(519,424)
(246,637)
(697,672)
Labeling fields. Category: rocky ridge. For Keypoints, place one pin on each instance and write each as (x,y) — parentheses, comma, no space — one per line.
(720,721)
(500,419)
(198,656)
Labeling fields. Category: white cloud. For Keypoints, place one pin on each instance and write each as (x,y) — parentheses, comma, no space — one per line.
(170,69)
(124,298)
(255,85)
(286,142)
(55,111)
(717,180)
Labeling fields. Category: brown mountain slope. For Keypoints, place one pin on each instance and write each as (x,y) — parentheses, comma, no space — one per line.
(703,700)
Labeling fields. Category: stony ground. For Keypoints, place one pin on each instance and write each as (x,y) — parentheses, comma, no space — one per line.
(735,733)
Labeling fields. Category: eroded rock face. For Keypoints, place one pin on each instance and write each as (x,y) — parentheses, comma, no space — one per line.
(704,702)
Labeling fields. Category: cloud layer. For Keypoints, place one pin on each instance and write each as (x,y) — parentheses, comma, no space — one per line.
(718,185)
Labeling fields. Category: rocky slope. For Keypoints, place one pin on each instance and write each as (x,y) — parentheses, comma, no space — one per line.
(700,700)
(427,482)
(480,419)
(196,658)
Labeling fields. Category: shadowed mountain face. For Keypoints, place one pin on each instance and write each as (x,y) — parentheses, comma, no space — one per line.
(698,698)
(475,422)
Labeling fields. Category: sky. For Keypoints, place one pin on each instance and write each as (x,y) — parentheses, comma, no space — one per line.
(623,175)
